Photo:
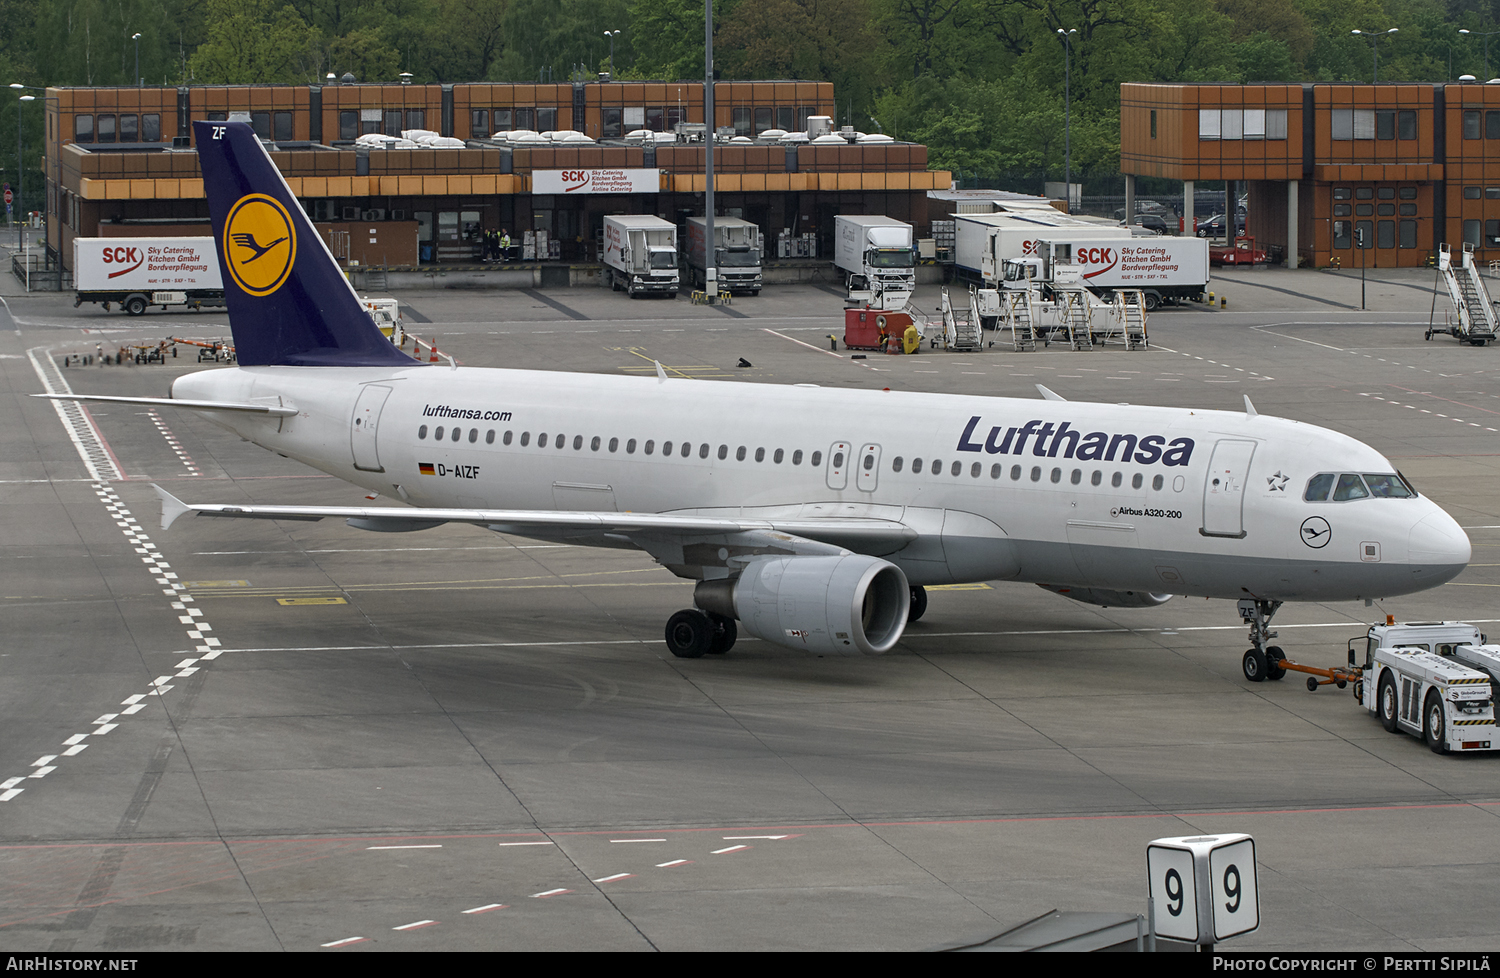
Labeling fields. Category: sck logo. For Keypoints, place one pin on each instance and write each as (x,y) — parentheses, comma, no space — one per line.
(1028,247)
(575,180)
(1104,258)
(119,256)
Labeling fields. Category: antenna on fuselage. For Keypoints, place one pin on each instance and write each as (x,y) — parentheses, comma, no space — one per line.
(661,374)
(1250,411)
(1049,395)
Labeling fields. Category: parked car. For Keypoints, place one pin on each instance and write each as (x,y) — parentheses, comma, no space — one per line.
(1152,222)
(1144,207)
(1213,227)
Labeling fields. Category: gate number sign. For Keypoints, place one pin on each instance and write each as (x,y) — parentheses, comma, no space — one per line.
(1203,888)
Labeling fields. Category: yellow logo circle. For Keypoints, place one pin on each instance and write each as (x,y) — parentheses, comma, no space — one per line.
(260,244)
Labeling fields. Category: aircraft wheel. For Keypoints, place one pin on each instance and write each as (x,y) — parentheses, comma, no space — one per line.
(689,634)
(1435,722)
(1274,658)
(918,605)
(725,632)
(1388,703)
(1254,665)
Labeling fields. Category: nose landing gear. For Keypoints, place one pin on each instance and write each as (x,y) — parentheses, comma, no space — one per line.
(1261,662)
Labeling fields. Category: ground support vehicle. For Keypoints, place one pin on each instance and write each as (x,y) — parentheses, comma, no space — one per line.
(640,255)
(880,330)
(1242,251)
(387,315)
(875,256)
(138,273)
(1477,320)
(1161,269)
(1436,680)
(737,251)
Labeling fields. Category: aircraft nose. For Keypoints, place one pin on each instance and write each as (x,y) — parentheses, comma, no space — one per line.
(1438,541)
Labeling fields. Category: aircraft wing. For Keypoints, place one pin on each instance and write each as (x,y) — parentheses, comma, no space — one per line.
(863,535)
(274,410)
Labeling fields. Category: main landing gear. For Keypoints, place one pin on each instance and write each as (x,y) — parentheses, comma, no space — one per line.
(1261,662)
(692,633)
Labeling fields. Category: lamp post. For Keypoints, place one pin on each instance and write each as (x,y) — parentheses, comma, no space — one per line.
(20,172)
(1486,35)
(611,35)
(137,39)
(1067,39)
(46,242)
(1374,39)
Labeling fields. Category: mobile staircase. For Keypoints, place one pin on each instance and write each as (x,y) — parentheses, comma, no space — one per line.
(1477,322)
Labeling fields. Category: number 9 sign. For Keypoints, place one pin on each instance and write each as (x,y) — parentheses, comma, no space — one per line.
(1203,888)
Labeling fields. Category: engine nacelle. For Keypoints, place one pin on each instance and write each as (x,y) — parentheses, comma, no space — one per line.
(841,605)
(1109,599)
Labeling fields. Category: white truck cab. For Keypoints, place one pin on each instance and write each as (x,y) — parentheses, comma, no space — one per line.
(1436,680)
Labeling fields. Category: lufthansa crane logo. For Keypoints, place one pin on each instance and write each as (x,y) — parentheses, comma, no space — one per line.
(260,244)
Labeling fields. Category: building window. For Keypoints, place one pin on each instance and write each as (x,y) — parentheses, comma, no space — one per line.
(741,119)
(1342,210)
(1408,193)
(1364,210)
(1408,210)
(261,123)
(348,125)
(1386,210)
(1209,124)
(525,118)
(1406,123)
(611,123)
(1409,233)
(1341,234)
(1385,124)
(1472,193)
(1343,193)
(281,129)
(763,120)
(1471,123)
(392,122)
(1471,234)
(106,132)
(83,128)
(786,118)
(1353,123)
(1491,234)
(479,124)
(416,119)
(369,121)
(1386,193)
(502,120)
(151,127)
(1385,234)
(655,119)
(546,120)
(1364,193)
(1153,123)
(130,128)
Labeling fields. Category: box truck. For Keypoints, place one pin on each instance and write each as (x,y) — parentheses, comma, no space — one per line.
(982,242)
(737,248)
(139,273)
(640,255)
(1164,269)
(875,255)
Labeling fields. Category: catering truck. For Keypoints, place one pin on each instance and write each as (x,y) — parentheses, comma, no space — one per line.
(875,255)
(138,273)
(738,250)
(982,242)
(640,255)
(1163,269)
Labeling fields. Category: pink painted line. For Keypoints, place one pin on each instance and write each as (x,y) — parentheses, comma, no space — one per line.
(550,893)
(675,862)
(417,926)
(487,908)
(617,876)
(720,852)
(346,941)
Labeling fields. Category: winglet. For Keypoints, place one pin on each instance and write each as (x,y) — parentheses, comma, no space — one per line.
(661,374)
(1049,395)
(1250,411)
(171,507)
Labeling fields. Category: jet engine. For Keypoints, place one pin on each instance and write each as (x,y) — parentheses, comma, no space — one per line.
(1109,599)
(841,605)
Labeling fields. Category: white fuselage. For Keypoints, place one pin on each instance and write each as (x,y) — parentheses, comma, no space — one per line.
(1124,497)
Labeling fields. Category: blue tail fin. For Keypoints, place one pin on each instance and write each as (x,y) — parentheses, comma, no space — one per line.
(289,303)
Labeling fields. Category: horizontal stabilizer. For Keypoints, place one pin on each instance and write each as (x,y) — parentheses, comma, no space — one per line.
(274,410)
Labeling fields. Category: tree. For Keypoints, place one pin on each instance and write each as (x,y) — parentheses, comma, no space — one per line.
(253,42)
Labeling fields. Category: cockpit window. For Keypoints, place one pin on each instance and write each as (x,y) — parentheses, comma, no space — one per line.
(1387,486)
(1318,487)
(1350,487)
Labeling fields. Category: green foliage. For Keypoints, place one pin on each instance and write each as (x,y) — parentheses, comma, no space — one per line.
(254,42)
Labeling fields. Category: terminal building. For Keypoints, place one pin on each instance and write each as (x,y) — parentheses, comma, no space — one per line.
(1412,166)
(120,162)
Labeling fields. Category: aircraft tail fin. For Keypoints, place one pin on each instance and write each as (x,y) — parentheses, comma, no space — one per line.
(289,302)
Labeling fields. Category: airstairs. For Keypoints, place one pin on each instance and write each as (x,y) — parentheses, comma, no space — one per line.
(1477,320)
